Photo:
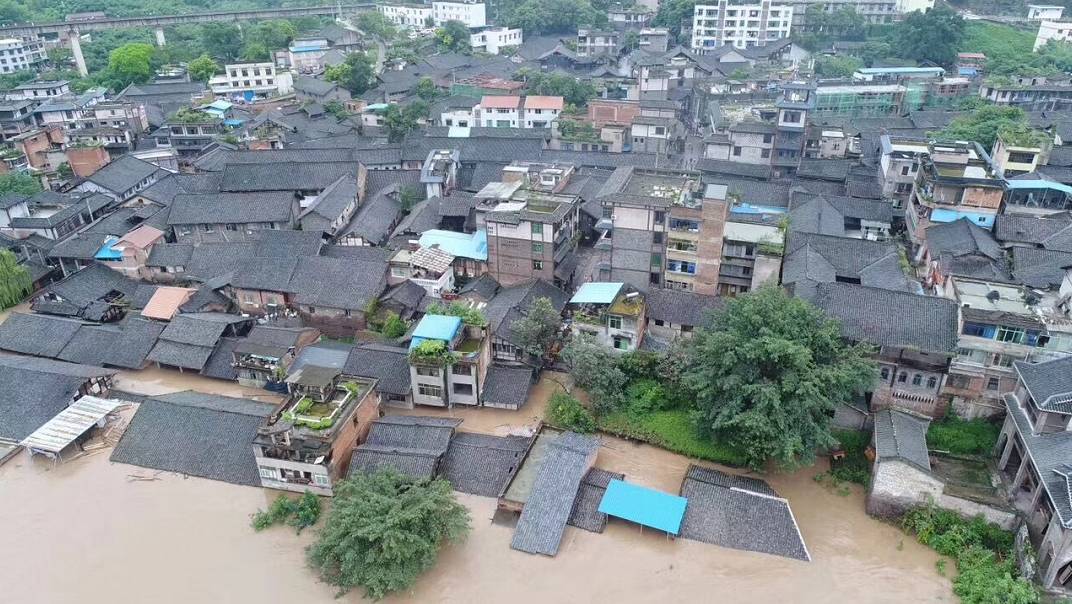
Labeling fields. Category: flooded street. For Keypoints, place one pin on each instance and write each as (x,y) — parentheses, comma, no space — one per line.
(88,532)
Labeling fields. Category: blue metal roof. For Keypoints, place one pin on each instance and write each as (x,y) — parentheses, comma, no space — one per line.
(462,245)
(1038,183)
(942,215)
(644,506)
(435,327)
(596,292)
(106,252)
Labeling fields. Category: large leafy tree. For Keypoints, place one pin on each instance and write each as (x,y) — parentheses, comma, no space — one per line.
(572,90)
(596,370)
(767,374)
(17,182)
(130,64)
(931,36)
(356,74)
(376,24)
(222,40)
(384,530)
(400,121)
(538,330)
(552,16)
(453,36)
(202,68)
(15,282)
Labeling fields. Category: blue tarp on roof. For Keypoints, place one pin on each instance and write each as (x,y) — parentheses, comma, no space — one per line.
(1038,183)
(474,246)
(435,327)
(596,292)
(644,506)
(106,252)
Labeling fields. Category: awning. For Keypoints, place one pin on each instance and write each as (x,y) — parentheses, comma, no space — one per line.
(69,424)
(644,506)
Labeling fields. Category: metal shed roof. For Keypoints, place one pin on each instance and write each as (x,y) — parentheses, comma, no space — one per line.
(596,293)
(62,430)
(644,506)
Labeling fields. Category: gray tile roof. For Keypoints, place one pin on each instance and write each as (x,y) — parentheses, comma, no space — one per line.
(376,218)
(122,174)
(824,258)
(170,254)
(164,190)
(35,390)
(38,335)
(967,250)
(1052,232)
(507,386)
(826,215)
(544,517)
(511,303)
(722,166)
(728,512)
(480,464)
(1048,383)
(884,317)
(283,177)
(412,445)
(585,514)
(232,208)
(1042,269)
(415,463)
(196,434)
(1049,454)
(90,285)
(899,435)
(271,243)
(679,307)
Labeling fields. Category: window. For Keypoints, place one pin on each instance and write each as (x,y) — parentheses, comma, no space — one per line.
(736,151)
(608,211)
(615,322)
(231,227)
(208,228)
(537,265)
(461,369)
(764,153)
(657,237)
(917,380)
(1010,334)
(932,382)
(978,330)
(433,391)
(537,228)
(464,389)
(537,248)
(321,480)
(993,383)
(268,472)
(659,322)
(660,217)
(767,138)
(622,342)
(902,378)
(427,371)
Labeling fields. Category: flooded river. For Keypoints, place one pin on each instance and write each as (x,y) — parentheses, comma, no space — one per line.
(95,532)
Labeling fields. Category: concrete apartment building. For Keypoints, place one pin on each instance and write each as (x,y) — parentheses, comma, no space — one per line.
(597,42)
(437,382)
(497,111)
(251,81)
(407,15)
(611,313)
(1044,12)
(532,228)
(739,25)
(492,39)
(660,228)
(472,14)
(1060,31)
(17,54)
(40,90)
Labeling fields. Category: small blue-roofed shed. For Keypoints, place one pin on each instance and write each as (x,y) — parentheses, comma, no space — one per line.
(436,327)
(644,506)
(597,292)
(459,245)
(107,252)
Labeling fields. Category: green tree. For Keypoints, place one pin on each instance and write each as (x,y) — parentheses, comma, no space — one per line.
(356,74)
(384,530)
(130,64)
(272,35)
(255,52)
(553,16)
(984,124)
(426,89)
(222,40)
(453,37)
(408,196)
(375,23)
(538,330)
(564,411)
(202,68)
(394,326)
(20,183)
(400,121)
(573,91)
(931,36)
(767,374)
(672,13)
(595,370)
(15,283)
(837,67)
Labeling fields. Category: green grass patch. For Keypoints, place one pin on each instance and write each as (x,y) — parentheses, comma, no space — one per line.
(854,467)
(672,430)
(963,436)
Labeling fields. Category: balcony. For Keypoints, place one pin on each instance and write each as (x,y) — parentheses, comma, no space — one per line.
(604,224)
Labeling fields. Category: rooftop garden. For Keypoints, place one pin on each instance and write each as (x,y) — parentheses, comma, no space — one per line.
(315,415)
(578,131)
(432,352)
(188,115)
(469,316)
(1024,137)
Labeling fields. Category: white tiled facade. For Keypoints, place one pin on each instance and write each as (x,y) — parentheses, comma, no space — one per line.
(1044,12)
(409,15)
(472,14)
(492,39)
(259,78)
(1053,30)
(16,55)
(739,25)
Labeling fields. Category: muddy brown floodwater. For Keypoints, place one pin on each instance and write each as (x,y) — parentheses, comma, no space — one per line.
(94,532)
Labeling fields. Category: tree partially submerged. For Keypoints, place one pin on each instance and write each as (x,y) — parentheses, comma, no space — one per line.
(595,370)
(15,281)
(768,373)
(384,530)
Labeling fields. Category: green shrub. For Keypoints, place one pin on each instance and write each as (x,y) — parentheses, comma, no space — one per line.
(564,411)
(300,514)
(393,326)
(639,364)
(986,571)
(854,467)
(962,436)
(671,430)
(306,511)
(304,405)
(646,396)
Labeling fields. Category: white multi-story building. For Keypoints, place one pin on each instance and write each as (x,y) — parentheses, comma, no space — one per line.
(472,14)
(1053,30)
(255,80)
(1044,12)
(739,25)
(498,111)
(17,54)
(407,15)
(36,91)
(491,39)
